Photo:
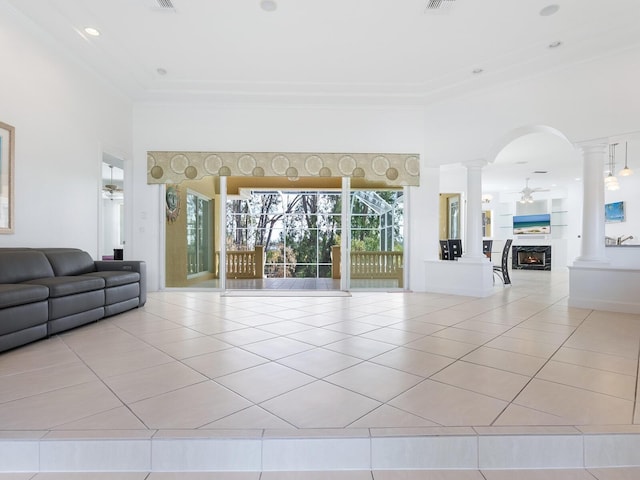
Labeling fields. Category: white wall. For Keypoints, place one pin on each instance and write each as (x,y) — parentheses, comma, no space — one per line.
(583,102)
(64,117)
(258,128)
(593,99)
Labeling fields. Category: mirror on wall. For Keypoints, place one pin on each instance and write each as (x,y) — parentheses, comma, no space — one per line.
(487,230)
(112,200)
(450,215)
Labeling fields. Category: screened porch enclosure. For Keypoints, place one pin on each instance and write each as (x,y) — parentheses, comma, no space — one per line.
(298,234)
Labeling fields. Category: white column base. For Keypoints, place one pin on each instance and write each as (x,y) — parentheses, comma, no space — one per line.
(469,278)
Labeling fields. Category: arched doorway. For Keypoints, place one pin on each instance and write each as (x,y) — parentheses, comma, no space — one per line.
(534,174)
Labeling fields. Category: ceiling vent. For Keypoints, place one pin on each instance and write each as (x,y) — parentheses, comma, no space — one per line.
(439,4)
(165,4)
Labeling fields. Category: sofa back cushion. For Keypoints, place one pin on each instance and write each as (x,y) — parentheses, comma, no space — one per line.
(21,265)
(69,261)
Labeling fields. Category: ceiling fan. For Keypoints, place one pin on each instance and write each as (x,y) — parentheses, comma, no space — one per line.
(527,192)
(111,187)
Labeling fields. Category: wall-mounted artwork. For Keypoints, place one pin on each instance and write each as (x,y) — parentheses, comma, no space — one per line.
(532,224)
(6,177)
(614,212)
(453,204)
(172,197)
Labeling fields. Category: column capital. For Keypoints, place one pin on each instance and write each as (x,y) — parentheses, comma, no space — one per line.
(593,146)
(478,163)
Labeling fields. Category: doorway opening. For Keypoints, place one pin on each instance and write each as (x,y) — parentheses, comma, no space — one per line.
(293,239)
(284,237)
(112,238)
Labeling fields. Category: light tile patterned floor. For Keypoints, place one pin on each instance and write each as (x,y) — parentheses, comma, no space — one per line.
(630,473)
(202,360)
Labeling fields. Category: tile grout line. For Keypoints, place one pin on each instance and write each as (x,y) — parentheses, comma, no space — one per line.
(512,401)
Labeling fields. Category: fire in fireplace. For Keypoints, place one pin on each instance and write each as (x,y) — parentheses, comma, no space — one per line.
(531,258)
(537,257)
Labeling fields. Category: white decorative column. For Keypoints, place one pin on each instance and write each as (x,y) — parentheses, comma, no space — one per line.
(473,247)
(222,225)
(471,274)
(595,283)
(594,157)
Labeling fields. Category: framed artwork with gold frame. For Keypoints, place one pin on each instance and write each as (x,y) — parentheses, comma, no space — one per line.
(7,147)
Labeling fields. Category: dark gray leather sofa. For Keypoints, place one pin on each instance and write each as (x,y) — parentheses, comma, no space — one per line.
(46,291)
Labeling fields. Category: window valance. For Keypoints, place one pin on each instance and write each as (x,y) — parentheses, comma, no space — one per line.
(391,169)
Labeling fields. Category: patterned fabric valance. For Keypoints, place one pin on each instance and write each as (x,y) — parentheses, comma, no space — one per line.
(392,169)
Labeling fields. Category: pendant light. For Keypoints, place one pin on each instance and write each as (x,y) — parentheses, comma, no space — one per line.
(626,171)
(610,181)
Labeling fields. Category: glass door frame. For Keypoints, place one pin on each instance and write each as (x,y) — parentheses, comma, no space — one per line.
(345,236)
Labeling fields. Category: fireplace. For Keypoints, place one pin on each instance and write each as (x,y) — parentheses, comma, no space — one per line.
(536,257)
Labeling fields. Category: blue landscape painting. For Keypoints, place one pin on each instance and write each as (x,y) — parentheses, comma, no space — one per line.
(532,224)
(614,212)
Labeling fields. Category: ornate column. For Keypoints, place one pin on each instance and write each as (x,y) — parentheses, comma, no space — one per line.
(473,248)
(592,250)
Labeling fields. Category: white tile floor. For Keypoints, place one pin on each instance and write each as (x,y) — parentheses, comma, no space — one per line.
(389,372)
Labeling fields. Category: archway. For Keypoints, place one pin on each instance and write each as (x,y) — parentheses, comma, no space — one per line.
(534,170)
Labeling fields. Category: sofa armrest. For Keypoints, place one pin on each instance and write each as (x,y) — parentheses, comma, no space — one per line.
(127,266)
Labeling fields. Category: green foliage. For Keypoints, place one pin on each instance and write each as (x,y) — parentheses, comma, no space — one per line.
(306,225)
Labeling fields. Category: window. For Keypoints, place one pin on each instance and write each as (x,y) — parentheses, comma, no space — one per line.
(198,234)
(297,230)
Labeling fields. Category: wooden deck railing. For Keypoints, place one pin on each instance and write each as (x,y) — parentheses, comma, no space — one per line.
(371,265)
(244,263)
(364,265)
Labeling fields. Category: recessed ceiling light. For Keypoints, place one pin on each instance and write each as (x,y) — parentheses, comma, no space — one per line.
(555,44)
(94,32)
(477,71)
(549,10)
(268,5)
(161,71)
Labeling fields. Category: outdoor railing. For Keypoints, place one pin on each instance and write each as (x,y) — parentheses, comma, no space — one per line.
(244,263)
(364,265)
(371,265)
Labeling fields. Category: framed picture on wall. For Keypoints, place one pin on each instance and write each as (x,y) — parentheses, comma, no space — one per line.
(453,204)
(614,212)
(7,133)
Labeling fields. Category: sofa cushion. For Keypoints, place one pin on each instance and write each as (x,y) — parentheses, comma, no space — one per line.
(19,317)
(63,286)
(20,265)
(69,305)
(69,261)
(115,278)
(11,295)
(121,293)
